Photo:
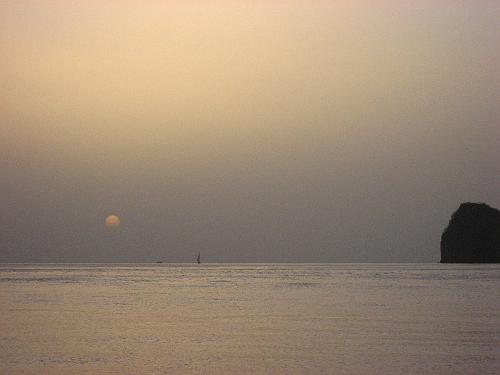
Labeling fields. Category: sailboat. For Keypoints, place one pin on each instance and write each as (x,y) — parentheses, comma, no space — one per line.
(198,259)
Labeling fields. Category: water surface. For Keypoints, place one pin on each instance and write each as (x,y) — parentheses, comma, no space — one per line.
(249,319)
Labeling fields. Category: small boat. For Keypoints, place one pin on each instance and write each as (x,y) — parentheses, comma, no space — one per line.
(198,259)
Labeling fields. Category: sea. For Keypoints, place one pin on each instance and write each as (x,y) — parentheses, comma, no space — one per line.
(249,319)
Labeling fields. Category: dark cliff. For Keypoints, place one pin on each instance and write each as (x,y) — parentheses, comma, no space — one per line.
(472,236)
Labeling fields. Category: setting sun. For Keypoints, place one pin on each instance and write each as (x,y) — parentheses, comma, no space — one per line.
(112,222)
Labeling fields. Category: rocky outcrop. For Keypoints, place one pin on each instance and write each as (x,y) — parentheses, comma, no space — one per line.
(472,236)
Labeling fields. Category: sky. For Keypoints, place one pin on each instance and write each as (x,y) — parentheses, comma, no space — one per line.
(249,131)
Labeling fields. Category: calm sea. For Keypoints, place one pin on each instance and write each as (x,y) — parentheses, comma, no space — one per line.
(249,319)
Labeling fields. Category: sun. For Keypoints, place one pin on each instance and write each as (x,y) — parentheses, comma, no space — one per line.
(112,222)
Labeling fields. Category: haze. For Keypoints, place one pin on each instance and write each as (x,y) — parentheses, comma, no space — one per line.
(251,131)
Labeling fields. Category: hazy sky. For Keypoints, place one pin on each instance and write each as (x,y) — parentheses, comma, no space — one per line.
(252,131)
